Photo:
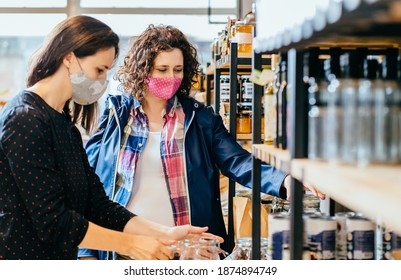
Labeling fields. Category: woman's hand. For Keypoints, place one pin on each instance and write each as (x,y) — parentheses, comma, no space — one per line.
(190,232)
(148,248)
(309,187)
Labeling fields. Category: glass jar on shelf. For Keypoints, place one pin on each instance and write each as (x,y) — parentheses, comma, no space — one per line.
(243,35)
(243,122)
(243,249)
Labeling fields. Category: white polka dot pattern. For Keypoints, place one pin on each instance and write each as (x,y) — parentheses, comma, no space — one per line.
(163,88)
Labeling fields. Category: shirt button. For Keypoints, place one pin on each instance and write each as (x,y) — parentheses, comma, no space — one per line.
(140,144)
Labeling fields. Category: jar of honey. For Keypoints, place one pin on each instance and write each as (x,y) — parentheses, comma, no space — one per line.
(243,122)
(243,36)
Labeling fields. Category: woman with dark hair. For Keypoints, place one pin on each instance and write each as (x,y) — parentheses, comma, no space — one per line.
(158,151)
(51,200)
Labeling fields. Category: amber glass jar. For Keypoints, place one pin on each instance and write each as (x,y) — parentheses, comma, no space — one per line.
(243,35)
(243,122)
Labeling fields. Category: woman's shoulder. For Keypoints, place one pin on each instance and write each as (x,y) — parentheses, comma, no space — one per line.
(25,105)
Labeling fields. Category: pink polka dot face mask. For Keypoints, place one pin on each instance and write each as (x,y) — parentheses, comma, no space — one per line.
(163,88)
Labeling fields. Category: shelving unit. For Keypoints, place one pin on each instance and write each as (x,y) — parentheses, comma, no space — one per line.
(374,190)
(276,157)
(231,65)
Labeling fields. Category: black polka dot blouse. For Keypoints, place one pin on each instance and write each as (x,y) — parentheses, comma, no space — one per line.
(48,191)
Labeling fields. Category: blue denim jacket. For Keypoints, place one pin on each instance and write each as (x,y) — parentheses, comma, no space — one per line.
(209,150)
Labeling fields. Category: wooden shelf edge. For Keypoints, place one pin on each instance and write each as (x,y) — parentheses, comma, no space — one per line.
(374,190)
(276,157)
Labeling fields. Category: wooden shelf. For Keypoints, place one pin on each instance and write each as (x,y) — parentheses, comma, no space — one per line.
(246,136)
(276,157)
(373,190)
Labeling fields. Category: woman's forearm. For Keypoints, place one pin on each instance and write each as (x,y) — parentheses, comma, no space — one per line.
(137,246)
(141,226)
(100,238)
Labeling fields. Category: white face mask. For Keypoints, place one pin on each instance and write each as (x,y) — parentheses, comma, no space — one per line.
(85,90)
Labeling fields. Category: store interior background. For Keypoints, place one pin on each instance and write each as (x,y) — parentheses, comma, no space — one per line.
(24,23)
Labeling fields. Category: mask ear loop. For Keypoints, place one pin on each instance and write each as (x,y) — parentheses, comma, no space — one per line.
(80,67)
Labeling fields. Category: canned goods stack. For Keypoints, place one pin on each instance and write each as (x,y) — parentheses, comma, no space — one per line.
(279,236)
(320,237)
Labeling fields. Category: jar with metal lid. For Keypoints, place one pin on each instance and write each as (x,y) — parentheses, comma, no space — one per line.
(243,122)
(243,35)
(243,249)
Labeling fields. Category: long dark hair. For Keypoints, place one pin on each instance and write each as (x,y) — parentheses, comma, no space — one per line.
(82,35)
(139,60)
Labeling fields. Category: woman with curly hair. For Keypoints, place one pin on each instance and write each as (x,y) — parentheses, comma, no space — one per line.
(51,200)
(157,150)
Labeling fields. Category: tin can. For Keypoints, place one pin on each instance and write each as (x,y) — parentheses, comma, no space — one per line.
(321,236)
(279,236)
(341,234)
(360,238)
(386,241)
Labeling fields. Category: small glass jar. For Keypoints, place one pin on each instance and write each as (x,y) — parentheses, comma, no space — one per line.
(243,35)
(200,249)
(207,249)
(243,249)
(188,250)
(243,122)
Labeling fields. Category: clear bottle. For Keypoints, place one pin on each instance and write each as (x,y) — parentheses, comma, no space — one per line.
(390,114)
(365,113)
(276,89)
(317,114)
(282,104)
(332,124)
(270,114)
(349,92)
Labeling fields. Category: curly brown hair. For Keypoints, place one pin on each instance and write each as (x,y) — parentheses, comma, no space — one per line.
(139,61)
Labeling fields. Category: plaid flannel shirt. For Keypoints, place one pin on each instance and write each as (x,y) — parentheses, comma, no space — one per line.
(171,151)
